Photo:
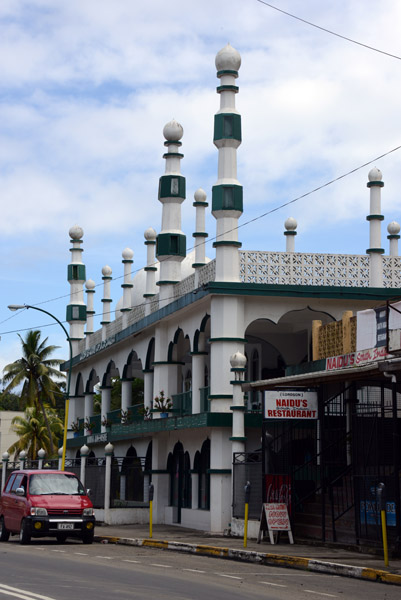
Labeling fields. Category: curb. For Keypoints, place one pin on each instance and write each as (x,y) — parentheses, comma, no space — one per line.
(278,560)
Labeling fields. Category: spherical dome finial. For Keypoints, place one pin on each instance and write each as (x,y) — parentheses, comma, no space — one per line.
(22,455)
(60,452)
(238,360)
(106,271)
(127,254)
(150,234)
(41,453)
(290,224)
(109,449)
(200,195)
(76,232)
(393,228)
(84,451)
(5,456)
(90,284)
(228,59)
(375,174)
(173,131)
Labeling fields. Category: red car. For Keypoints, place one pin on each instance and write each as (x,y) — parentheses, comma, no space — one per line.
(45,503)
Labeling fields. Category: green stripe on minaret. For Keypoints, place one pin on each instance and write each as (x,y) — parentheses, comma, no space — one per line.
(76,273)
(227,197)
(171,186)
(227,126)
(171,244)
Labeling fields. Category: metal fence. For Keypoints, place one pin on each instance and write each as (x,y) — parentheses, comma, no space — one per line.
(247,466)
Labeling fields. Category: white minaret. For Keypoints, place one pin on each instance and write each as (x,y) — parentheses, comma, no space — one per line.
(150,269)
(375,250)
(227,192)
(290,233)
(200,234)
(76,309)
(171,242)
(393,229)
(106,272)
(90,291)
(127,286)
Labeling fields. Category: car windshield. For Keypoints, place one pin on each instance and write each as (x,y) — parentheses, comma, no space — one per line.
(55,483)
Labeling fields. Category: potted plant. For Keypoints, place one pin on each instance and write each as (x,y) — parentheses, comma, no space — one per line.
(124,416)
(106,423)
(145,412)
(76,427)
(88,425)
(162,404)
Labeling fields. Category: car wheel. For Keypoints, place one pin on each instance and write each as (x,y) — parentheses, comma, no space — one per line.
(61,537)
(87,538)
(4,533)
(24,535)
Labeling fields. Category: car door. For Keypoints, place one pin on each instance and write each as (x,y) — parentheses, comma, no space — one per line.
(16,504)
(6,501)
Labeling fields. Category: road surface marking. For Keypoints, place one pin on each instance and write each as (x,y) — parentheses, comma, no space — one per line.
(321,593)
(81,553)
(58,551)
(12,591)
(132,561)
(157,565)
(275,584)
(194,570)
(230,576)
(105,557)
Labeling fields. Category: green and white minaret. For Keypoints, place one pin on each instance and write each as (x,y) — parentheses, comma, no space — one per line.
(76,309)
(227,191)
(171,242)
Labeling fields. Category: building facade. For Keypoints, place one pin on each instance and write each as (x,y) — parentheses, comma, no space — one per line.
(195,329)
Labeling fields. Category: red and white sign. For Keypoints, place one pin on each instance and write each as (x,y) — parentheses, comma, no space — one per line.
(295,404)
(355,359)
(277,516)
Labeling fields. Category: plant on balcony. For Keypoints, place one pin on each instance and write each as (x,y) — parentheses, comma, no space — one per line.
(145,413)
(88,425)
(161,403)
(106,422)
(125,417)
(76,426)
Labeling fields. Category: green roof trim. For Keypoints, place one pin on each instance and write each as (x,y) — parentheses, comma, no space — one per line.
(375,218)
(375,184)
(375,251)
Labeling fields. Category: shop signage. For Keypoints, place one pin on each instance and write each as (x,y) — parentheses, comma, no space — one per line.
(274,518)
(278,489)
(98,347)
(290,404)
(355,359)
(96,438)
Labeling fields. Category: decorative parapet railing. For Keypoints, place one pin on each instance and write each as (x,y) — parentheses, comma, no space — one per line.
(295,268)
(391,271)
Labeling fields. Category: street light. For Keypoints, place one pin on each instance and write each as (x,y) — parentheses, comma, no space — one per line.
(15,307)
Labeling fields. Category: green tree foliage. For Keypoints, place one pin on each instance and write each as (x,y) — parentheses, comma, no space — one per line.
(32,432)
(36,371)
(9,401)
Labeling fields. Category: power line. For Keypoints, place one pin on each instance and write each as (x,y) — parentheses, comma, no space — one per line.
(339,35)
(265,214)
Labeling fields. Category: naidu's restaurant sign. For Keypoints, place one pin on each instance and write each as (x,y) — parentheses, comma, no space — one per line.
(290,404)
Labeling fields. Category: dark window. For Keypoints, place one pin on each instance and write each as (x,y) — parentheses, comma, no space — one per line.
(174,244)
(228,197)
(204,476)
(17,482)
(227,126)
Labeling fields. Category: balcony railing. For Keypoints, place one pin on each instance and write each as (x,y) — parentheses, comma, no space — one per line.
(182,403)
(204,399)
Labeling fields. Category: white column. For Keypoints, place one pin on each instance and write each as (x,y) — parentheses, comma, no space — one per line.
(84,455)
(198,377)
(60,458)
(88,405)
(195,490)
(90,312)
(106,401)
(393,229)
(148,388)
(200,234)
(150,269)
(290,233)
(76,309)
(375,250)
(126,394)
(127,285)
(106,272)
(108,451)
(5,458)
(22,459)
(41,456)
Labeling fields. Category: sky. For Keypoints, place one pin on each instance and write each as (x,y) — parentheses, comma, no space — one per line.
(87,86)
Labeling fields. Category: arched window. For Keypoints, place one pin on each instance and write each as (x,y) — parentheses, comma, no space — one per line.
(203,467)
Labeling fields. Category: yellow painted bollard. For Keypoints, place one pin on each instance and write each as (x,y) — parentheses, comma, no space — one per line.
(381,501)
(151,492)
(247,489)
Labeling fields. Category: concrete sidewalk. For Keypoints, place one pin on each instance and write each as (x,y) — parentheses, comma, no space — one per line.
(324,559)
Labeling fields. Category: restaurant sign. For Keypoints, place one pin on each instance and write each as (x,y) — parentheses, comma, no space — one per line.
(290,404)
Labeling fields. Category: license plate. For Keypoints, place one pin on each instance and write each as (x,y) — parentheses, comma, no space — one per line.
(65,526)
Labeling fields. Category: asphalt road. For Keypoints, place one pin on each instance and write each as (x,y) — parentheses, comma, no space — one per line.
(45,570)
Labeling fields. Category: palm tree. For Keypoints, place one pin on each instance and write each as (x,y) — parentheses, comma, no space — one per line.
(35,370)
(32,431)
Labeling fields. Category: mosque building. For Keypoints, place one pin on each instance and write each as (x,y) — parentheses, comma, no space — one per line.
(195,329)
